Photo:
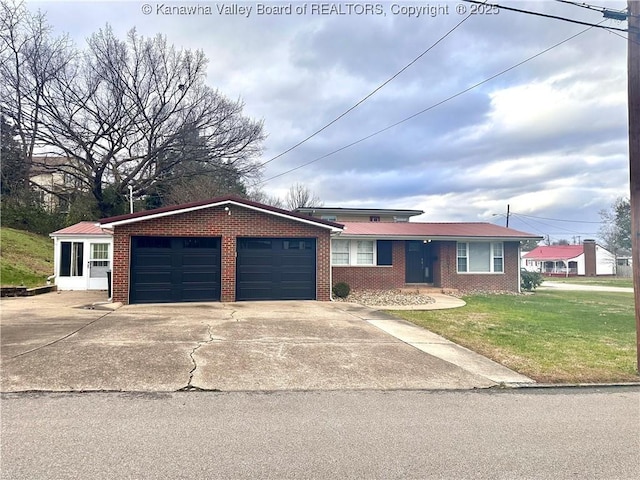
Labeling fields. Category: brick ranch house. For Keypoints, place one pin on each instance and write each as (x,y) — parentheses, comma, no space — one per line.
(231,249)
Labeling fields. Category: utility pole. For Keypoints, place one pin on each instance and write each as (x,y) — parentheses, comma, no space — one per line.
(633,80)
(508,210)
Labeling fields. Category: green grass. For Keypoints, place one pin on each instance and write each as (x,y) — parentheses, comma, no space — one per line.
(603,281)
(552,337)
(25,258)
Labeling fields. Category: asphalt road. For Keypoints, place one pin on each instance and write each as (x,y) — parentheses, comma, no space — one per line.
(483,434)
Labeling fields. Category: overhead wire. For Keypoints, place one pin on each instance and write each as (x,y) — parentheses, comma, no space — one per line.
(553,226)
(373,92)
(431,107)
(554,219)
(546,15)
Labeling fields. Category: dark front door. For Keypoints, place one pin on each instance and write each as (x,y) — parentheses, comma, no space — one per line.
(419,262)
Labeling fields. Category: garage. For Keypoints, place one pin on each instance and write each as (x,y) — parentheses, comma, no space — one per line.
(221,249)
(276,269)
(174,269)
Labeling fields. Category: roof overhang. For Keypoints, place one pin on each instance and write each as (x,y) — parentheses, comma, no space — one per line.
(333,227)
(429,238)
(355,211)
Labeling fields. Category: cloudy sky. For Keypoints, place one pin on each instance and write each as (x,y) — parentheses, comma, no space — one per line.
(548,137)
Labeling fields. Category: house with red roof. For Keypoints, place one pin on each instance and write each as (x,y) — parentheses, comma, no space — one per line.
(232,249)
(382,249)
(588,259)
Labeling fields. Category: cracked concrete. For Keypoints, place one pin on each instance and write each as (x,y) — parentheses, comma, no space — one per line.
(257,346)
(190,385)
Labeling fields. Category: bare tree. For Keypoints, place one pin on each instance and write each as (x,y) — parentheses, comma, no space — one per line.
(124,112)
(616,227)
(260,196)
(201,183)
(300,196)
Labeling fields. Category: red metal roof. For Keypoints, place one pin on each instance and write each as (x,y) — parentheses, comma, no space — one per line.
(213,202)
(555,252)
(82,228)
(432,230)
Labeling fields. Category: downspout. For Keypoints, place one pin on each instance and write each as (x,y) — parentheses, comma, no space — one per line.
(330,270)
(519,267)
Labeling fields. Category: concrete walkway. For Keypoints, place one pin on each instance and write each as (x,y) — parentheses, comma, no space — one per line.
(436,345)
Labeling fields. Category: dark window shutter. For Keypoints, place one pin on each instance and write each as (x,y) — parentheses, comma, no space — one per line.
(384,249)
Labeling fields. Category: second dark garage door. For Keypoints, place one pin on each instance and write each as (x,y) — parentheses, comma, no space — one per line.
(276,269)
(174,269)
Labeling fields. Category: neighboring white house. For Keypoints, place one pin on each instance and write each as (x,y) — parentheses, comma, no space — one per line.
(82,255)
(588,259)
(54,185)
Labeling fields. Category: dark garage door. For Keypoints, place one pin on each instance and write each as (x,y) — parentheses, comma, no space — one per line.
(174,269)
(276,269)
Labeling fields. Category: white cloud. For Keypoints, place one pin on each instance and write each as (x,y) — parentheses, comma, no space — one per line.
(548,137)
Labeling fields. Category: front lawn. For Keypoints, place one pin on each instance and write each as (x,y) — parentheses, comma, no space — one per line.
(550,336)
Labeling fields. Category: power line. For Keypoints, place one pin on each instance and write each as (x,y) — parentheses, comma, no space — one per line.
(529,12)
(556,226)
(426,109)
(554,219)
(373,92)
(607,12)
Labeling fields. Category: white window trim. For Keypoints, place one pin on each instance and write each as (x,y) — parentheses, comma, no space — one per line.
(491,261)
(353,254)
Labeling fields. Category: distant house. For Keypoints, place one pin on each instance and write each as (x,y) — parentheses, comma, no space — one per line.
(54,186)
(231,249)
(588,259)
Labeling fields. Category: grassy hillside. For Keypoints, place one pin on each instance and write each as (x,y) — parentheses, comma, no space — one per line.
(25,258)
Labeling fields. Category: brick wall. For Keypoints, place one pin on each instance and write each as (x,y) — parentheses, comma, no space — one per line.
(445,272)
(215,222)
(374,278)
(468,282)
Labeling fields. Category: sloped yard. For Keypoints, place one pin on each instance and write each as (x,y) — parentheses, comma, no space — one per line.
(25,258)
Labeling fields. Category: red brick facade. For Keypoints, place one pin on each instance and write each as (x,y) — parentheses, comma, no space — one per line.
(375,278)
(445,271)
(509,281)
(216,222)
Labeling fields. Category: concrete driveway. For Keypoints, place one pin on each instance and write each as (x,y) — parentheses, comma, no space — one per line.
(51,343)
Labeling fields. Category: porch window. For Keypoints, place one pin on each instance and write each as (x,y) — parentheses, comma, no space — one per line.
(480,257)
(71,259)
(340,252)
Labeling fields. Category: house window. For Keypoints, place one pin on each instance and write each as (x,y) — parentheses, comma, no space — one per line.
(340,252)
(480,257)
(331,218)
(462,257)
(353,252)
(71,259)
(365,252)
(374,218)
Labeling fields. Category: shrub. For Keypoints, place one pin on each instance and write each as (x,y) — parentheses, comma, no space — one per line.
(341,290)
(530,280)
